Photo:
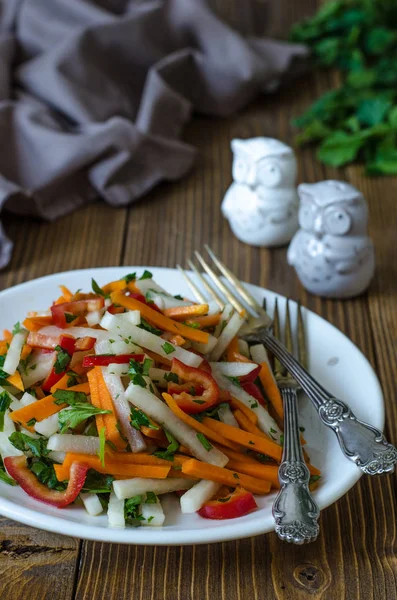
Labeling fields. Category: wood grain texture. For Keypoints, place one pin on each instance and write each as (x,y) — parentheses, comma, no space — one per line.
(355,556)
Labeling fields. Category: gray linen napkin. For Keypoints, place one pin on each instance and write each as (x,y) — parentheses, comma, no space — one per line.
(94,95)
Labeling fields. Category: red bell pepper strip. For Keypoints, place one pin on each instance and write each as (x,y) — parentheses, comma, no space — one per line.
(237,504)
(115,310)
(251,376)
(195,389)
(85,343)
(252,389)
(49,342)
(103,360)
(18,469)
(76,308)
(188,402)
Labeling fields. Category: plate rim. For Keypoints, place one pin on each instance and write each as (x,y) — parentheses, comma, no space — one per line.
(30,516)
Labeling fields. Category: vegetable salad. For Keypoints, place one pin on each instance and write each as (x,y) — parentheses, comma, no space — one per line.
(117,396)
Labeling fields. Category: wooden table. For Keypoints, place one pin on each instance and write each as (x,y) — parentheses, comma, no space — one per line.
(354,558)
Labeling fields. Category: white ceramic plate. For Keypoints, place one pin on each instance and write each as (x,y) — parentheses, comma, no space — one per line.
(334,360)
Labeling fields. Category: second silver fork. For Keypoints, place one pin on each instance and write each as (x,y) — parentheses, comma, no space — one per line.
(295,512)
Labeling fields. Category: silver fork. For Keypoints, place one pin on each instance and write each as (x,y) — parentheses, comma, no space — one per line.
(360,442)
(294,510)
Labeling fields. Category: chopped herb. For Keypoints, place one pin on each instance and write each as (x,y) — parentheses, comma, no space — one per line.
(32,392)
(111,445)
(136,373)
(96,288)
(37,446)
(254,405)
(112,341)
(224,499)
(118,427)
(282,439)
(146,275)
(272,430)
(151,388)
(102,442)
(203,441)
(129,277)
(223,325)
(69,397)
(314,478)
(5,478)
(302,429)
(62,360)
(178,297)
(77,291)
(31,422)
(169,453)
(193,325)
(251,442)
(150,519)
(263,458)
(212,413)
(91,429)
(235,381)
(168,348)
(69,317)
(146,366)
(96,483)
(72,378)
(69,418)
(235,475)
(17,328)
(199,401)
(171,377)
(132,511)
(5,401)
(138,418)
(3,374)
(145,325)
(45,473)
(151,498)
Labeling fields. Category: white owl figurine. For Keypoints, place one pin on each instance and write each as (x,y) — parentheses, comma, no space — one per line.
(332,253)
(262,202)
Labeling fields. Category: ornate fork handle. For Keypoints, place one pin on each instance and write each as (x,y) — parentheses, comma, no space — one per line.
(294,509)
(362,443)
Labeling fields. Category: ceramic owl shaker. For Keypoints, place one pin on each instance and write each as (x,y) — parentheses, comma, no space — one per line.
(332,253)
(262,202)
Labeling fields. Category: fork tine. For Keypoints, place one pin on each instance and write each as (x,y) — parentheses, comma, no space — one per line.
(302,350)
(207,286)
(231,298)
(279,370)
(250,300)
(288,331)
(196,292)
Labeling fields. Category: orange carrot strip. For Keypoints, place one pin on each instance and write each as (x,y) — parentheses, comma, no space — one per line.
(185,450)
(62,384)
(231,349)
(36,323)
(206,321)
(177,340)
(16,380)
(202,470)
(3,347)
(181,313)
(178,473)
(155,434)
(95,398)
(26,351)
(60,300)
(271,389)
(110,420)
(41,409)
(266,472)
(160,320)
(7,335)
(250,414)
(233,455)
(247,425)
(115,468)
(67,294)
(209,433)
(237,357)
(248,440)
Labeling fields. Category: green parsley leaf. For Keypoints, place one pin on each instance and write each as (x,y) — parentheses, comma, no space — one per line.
(102,442)
(129,277)
(171,377)
(73,378)
(17,328)
(198,401)
(69,317)
(5,401)
(151,498)
(192,325)
(178,297)
(146,275)
(282,439)
(138,418)
(234,380)
(132,511)
(203,441)
(235,475)
(272,430)
(45,473)
(146,366)
(263,458)
(5,478)
(69,397)
(31,422)
(314,478)
(69,418)
(150,519)
(62,360)
(223,325)
(168,348)
(301,429)
(37,446)
(3,374)
(169,453)
(224,499)
(147,327)
(135,373)
(96,288)
(97,483)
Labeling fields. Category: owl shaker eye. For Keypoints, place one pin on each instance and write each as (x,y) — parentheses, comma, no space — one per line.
(338,222)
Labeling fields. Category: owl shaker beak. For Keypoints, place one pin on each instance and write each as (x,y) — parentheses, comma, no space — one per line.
(251,177)
(318,226)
